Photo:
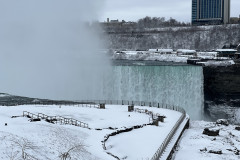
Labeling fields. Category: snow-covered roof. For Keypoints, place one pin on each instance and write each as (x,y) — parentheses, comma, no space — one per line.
(226,50)
(4,95)
(186,51)
(217,63)
(161,50)
(165,50)
(153,50)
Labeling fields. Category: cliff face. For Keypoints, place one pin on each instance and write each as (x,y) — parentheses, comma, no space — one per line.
(222,84)
(200,38)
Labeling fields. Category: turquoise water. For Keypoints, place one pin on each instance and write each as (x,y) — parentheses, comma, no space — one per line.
(174,85)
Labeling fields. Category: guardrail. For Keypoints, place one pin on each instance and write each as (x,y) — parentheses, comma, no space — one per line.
(163,146)
(52,119)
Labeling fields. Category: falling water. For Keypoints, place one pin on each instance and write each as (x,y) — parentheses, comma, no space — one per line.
(173,85)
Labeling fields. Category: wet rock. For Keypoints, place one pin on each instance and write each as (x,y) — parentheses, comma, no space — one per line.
(222,122)
(237,128)
(49,121)
(214,139)
(35,120)
(216,152)
(98,129)
(211,132)
(203,150)
(15,116)
(237,152)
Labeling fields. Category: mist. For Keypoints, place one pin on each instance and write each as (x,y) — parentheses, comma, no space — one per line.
(48,51)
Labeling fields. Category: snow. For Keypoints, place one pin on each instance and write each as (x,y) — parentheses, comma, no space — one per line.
(3,95)
(53,139)
(207,54)
(217,63)
(226,50)
(131,146)
(165,50)
(146,55)
(161,50)
(174,139)
(181,56)
(185,51)
(193,141)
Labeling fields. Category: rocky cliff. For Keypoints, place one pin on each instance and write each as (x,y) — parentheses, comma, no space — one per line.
(200,38)
(222,84)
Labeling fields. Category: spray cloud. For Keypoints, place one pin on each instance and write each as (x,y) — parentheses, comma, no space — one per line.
(47,50)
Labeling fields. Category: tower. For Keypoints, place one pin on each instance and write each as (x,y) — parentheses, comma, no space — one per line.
(210,12)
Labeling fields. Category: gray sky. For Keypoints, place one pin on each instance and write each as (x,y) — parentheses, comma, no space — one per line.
(132,10)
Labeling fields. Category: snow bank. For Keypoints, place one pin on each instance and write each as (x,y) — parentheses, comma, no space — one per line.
(195,145)
(217,63)
(152,56)
(226,50)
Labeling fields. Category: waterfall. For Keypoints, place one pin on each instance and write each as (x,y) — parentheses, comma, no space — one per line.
(174,85)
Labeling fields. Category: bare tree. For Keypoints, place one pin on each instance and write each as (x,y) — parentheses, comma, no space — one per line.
(12,154)
(25,147)
(73,152)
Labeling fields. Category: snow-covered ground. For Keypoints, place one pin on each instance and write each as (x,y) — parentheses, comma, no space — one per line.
(195,145)
(146,55)
(142,143)
(181,56)
(44,140)
(217,63)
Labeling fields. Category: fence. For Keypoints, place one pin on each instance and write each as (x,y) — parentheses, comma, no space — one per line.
(52,119)
(162,147)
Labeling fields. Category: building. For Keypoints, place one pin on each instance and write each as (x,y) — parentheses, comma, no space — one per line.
(226,52)
(186,52)
(210,12)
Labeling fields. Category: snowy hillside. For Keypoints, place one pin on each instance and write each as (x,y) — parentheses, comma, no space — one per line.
(199,38)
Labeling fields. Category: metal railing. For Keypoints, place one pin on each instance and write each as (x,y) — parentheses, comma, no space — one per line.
(165,143)
(163,146)
(60,119)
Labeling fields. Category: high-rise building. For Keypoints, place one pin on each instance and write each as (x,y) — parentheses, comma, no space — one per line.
(210,12)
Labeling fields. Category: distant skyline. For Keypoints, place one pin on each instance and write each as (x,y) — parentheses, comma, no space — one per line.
(132,10)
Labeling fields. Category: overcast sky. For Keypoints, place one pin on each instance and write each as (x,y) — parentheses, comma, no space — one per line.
(132,10)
